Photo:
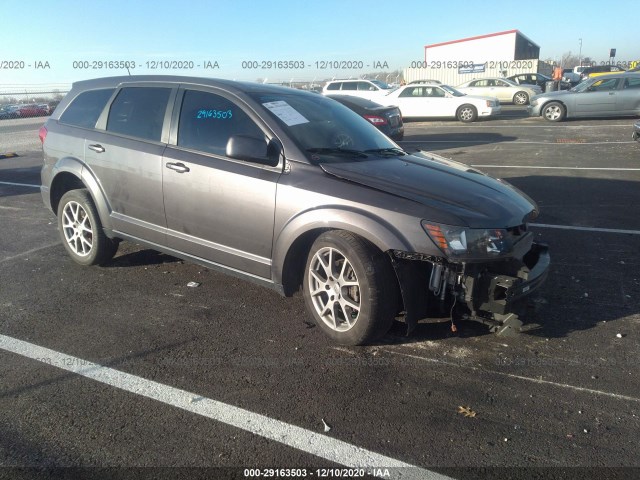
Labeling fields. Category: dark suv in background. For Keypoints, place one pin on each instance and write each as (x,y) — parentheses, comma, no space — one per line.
(291,190)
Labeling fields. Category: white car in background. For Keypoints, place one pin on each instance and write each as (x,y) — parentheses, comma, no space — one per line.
(436,100)
(505,90)
(373,90)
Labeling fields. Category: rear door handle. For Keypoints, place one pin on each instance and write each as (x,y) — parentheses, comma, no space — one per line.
(178,167)
(97,148)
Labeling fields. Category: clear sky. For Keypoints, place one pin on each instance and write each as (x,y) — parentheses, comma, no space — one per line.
(61,32)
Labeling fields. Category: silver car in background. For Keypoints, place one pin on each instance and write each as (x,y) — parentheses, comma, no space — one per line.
(505,90)
(293,191)
(603,96)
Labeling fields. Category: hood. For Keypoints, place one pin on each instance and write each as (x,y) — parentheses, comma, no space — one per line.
(479,201)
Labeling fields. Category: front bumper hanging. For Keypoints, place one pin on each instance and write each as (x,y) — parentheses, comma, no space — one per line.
(492,293)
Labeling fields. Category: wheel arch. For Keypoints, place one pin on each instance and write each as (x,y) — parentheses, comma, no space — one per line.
(71,174)
(292,245)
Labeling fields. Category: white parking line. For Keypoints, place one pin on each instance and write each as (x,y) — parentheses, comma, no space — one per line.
(520,377)
(538,167)
(585,229)
(305,440)
(20,184)
(421,125)
(517,142)
(28,252)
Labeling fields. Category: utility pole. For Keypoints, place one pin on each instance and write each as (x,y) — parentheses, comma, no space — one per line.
(580,54)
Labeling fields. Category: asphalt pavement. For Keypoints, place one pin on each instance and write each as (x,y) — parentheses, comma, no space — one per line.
(265,389)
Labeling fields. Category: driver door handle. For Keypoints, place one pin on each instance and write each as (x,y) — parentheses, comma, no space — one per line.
(178,167)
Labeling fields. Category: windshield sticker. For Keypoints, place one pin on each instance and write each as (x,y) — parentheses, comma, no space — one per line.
(285,112)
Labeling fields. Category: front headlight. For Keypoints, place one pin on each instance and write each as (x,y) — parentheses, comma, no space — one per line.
(460,243)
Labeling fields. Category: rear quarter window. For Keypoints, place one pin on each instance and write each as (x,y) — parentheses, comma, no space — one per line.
(139,112)
(85,109)
(334,86)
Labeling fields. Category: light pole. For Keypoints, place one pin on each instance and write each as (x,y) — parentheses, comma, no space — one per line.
(580,53)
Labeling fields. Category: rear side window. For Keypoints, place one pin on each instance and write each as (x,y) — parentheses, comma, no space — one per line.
(350,86)
(139,112)
(207,121)
(86,108)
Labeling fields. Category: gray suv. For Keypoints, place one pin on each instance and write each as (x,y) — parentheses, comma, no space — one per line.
(291,190)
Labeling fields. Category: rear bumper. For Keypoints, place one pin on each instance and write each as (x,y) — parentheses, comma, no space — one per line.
(534,111)
(490,111)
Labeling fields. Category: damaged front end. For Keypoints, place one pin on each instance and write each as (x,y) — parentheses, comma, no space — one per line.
(483,275)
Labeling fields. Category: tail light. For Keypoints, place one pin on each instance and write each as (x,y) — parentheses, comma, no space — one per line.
(376,120)
(42,133)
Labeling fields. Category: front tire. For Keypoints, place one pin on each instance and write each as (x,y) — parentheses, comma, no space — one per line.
(554,112)
(349,288)
(467,113)
(81,229)
(521,98)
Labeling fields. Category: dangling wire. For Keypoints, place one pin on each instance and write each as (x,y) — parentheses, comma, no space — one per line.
(453,325)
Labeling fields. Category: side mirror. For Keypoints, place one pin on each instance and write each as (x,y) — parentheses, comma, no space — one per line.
(252,149)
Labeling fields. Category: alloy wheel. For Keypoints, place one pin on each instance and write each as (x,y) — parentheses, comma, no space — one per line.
(334,289)
(553,112)
(77,228)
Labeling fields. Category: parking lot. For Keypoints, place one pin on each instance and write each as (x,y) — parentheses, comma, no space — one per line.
(231,375)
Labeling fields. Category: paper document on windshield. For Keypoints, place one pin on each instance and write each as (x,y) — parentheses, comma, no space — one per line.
(285,112)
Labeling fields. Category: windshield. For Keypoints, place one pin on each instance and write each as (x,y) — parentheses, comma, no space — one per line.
(452,91)
(325,130)
(581,87)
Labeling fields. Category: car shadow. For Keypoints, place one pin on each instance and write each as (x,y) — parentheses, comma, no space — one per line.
(141,258)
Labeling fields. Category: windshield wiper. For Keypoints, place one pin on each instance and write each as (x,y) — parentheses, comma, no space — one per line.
(339,151)
(387,151)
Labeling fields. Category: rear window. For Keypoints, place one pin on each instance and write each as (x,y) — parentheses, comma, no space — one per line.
(86,108)
(139,112)
(356,101)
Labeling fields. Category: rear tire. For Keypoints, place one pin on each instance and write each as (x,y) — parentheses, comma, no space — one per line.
(349,288)
(81,229)
(467,113)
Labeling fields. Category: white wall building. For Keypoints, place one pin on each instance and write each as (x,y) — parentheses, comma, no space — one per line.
(494,47)
(498,54)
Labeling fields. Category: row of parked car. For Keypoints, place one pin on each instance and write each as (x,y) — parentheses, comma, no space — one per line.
(613,94)
(26,110)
